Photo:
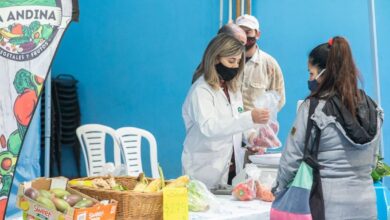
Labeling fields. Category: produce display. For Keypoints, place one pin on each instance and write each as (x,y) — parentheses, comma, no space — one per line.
(130,192)
(58,199)
(245,191)
(107,184)
(252,189)
(42,197)
(143,184)
(157,184)
(99,183)
(51,198)
(198,196)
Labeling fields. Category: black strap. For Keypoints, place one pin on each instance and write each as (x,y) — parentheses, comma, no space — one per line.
(314,152)
(309,126)
(316,200)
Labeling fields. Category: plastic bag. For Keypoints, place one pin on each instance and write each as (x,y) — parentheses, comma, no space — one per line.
(263,193)
(260,190)
(245,191)
(112,170)
(200,199)
(268,133)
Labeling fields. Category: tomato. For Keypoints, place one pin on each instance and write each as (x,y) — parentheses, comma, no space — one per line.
(17,29)
(24,106)
(3,203)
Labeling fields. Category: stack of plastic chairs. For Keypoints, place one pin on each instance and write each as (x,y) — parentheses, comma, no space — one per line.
(67,115)
(65,119)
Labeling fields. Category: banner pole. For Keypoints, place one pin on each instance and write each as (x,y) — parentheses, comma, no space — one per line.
(375,64)
(47,123)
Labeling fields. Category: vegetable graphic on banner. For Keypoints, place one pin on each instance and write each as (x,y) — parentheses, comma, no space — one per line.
(28,27)
(28,87)
(21,39)
(30,31)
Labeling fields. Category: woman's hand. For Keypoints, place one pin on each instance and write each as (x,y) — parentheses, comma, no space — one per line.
(260,115)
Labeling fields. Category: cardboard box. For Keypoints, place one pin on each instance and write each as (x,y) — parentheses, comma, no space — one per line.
(32,208)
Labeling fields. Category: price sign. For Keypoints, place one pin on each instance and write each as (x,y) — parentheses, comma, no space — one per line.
(175,203)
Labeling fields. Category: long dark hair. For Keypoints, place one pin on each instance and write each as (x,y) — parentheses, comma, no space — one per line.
(341,75)
(319,56)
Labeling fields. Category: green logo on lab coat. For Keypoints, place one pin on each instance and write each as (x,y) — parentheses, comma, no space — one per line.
(240,109)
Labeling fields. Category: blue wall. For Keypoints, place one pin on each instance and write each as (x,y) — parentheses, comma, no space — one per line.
(135,59)
(290,31)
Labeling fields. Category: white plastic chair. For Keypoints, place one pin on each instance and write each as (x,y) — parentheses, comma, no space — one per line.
(92,139)
(130,144)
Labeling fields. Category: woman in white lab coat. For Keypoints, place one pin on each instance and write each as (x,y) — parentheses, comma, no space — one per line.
(214,118)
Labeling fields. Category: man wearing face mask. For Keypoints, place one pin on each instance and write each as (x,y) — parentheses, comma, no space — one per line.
(262,72)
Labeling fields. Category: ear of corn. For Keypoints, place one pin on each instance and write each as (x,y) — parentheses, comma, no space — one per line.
(179,182)
(153,186)
(140,187)
(161,176)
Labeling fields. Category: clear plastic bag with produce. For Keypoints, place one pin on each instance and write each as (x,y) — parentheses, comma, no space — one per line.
(262,191)
(200,199)
(252,187)
(268,133)
(245,191)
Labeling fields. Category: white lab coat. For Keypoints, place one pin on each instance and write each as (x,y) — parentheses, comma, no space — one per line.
(213,127)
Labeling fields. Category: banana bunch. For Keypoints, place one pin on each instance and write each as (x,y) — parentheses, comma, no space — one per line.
(8,35)
(154,186)
(159,183)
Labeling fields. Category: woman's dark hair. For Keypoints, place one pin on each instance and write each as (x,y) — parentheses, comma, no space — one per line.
(341,75)
(319,56)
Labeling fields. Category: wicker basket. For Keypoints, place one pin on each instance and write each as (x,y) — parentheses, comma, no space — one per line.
(131,205)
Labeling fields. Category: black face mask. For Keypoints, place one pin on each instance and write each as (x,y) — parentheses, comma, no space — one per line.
(226,73)
(313,85)
(250,42)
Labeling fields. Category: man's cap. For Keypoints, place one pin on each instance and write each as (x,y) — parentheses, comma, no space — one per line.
(248,21)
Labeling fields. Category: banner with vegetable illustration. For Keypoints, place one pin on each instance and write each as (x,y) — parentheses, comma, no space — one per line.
(30,31)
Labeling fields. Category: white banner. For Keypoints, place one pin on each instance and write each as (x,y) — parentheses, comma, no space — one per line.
(30,32)
(27,14)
